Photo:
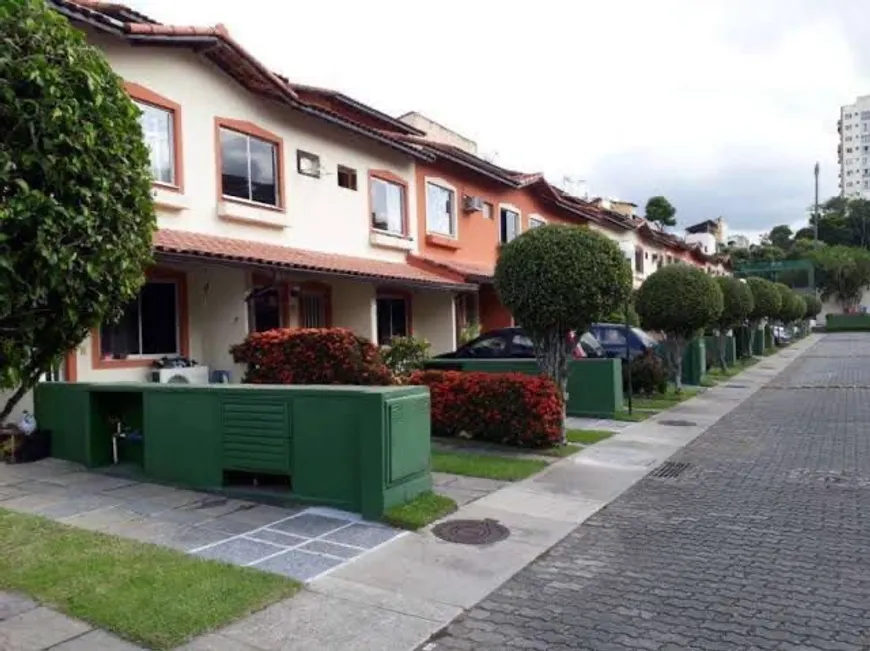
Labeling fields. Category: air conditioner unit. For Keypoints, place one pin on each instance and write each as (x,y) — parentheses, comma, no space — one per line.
(182,375)
(472,204)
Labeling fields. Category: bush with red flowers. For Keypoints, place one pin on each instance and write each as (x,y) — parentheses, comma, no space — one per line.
(511,408)
(310,356)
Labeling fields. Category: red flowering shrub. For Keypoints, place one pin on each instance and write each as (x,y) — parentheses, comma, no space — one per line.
(512,408)
(310,356)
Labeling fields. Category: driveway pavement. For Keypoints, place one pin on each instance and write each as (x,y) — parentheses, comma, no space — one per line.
(754,536)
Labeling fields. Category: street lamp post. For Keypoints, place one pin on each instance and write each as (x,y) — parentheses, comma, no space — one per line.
(816,209)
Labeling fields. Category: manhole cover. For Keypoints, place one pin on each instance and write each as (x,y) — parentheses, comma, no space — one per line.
(471,532)
(736,386)
(677,423)
(670,469)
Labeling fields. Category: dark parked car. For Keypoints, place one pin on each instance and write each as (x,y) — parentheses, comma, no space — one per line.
(613,338)
(511,343)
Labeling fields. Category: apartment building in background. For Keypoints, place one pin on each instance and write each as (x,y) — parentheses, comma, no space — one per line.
(286,205)
(853,152)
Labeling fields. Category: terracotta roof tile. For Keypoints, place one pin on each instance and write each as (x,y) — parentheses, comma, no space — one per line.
(470,271)
(244,251)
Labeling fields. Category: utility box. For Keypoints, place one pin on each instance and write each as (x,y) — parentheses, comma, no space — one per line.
(358,448)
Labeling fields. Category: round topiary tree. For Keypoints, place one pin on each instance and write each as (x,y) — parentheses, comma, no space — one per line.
(814,306)
(785,306)
(560,279)
(767,302)
(737,305)
(680,301)
(797,308)
(76,213)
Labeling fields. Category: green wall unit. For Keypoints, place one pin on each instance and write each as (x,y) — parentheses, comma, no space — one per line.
(758,342)
(847,322)
(358,448)
(741,338)
(695,362)
(768,337)
(711,343)
(594,385)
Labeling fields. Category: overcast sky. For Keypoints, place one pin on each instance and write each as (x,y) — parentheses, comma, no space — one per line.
(723,106)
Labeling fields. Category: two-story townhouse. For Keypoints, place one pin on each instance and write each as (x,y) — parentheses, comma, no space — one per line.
(274,209)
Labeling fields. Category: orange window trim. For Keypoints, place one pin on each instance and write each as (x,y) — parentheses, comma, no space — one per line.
(389,177)
(180,280)
(249,129)
(264,280)
(148,96)
(404,295)
(71,361)
(323,290)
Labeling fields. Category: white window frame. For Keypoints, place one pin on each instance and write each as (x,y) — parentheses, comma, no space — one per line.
(172,145)
(276,162)
(535,217)
(177,351)
(454,222)
(512,208)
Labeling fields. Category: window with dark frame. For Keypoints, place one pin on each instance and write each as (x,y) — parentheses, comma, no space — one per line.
(392,318)
(249,168)
(346,177)
(308,164)
(158,130)
(638,260)
(388,206)
(265,310)
(313,311)
(510,225)
(149,324)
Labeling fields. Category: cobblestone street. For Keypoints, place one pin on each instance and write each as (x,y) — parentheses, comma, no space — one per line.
(761,542)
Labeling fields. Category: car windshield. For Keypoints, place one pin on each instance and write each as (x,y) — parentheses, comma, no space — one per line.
(645,339)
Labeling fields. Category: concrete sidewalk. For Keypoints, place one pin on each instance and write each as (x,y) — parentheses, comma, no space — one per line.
(396,598)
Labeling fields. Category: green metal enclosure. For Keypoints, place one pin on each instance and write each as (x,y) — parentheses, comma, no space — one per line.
(594,385)
(847,322)
(758,342)
(711,343)
(695,362)
(362,449)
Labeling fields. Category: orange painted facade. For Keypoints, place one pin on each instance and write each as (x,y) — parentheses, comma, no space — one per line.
(477,236)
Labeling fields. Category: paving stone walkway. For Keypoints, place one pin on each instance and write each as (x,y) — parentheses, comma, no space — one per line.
(296,542)
(27,626)
(758,539)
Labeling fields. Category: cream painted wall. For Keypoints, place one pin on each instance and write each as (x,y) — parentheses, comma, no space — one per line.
(433,318)
(353,306)
(321,216)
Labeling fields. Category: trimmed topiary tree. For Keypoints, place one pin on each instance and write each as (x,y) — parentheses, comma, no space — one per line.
(680,301)
(737,305)
(767,302)
(558,279)
(797,308)
(814,306)
(76,213)
(785,306)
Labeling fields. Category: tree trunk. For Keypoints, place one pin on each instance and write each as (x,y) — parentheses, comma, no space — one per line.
(753,326)
(674,349)
(553,353)
(722,340)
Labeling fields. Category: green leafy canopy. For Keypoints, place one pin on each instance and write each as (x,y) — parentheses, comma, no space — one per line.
(561,278)
(786,306)
(766,298)
(813,306)
(737,302)
(76,213)
(679,300)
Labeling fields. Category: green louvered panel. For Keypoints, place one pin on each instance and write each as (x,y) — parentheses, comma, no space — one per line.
(407,450)
(256,436)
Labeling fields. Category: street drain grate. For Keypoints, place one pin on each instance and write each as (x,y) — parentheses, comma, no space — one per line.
(670,469)
(471,532)
(735,386)
(677,423)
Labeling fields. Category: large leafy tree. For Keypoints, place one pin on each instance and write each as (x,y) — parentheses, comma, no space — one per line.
(814,306)
(737,304)
(843,273)
(660,211)
(797,308)
(766,304)
(680,301)
(76,214)
(785,305)
(558,279)
(780,237)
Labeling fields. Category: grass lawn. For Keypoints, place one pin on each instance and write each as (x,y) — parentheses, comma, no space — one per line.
(635,417)
(588,436)
(485,465)
(560,450)
(666,400)
(423,509)
(149,595)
